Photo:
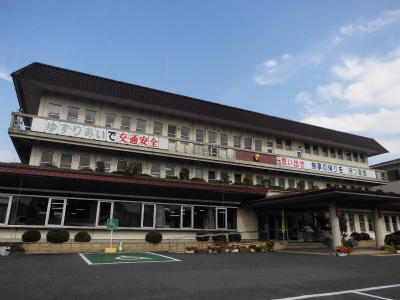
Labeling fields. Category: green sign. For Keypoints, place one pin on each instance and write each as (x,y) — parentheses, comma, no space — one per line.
(112,224)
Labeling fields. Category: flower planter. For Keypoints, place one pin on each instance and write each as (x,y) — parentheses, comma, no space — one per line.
(227,250)
(341,254)
(215,251)
(235,250)
(252,250)
(398,251)
(189,251)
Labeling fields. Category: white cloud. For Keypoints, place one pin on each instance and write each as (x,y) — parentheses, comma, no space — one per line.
(4,75)
(383,122)
(387,18)
(7,156)
(286,56)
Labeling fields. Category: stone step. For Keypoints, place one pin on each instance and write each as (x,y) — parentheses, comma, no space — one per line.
(306,246)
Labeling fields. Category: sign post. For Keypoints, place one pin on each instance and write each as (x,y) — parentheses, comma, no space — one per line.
(112,224)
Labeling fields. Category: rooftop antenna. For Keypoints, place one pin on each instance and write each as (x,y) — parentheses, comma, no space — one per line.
(166,86)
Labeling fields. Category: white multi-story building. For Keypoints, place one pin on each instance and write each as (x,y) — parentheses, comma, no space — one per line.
(244,167)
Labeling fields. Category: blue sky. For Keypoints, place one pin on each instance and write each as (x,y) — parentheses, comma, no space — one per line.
(334,64)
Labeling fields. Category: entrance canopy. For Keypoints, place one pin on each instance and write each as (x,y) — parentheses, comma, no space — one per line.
(347,198)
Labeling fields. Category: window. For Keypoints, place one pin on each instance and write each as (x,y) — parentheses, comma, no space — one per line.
(221,221)
(272,181)
(299,153)
(185,131)
(56,212)
(54,111)
(148,215)
(204,217)
(107,164)
(171,130)
(141,125)
(247,143)
(198,173)
(387,224)
(288,145)
(257,145)
(259,179)
(282,182)
(325,151)
(348,156)
(128,214)
(3,209)
(199,135)
(168,216)
(332,151)
(212,137)
(351,223)
(344,186)
(155,170)
(213,150)
(394,175)
(47,159)
(224,139)
(90,117)
(104,213)
(370,224)
(328,185)
(110,120)
(27,210)
(84,162)
(355,156)
(310,185)
(279,143)
(238,177)
(394,222)
(236,141)
(169,171)
(231,218)
(73,114)
(224,176)
(122,164)
(139,166)
(291,183)
(315,150)
(340,154)
(362,158)
(211,176)
(270,147)
(158,128)
(307,148)
(362,222)
(66,161)
(80,213)
(186,216)
(126,123)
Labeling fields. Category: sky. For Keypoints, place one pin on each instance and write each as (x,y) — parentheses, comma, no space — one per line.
(334,64)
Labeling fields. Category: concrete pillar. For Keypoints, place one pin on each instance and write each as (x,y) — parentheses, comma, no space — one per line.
(379,227)
(335,228)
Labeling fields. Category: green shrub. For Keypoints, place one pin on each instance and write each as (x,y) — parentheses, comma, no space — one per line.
(82,237)
(100,166)
(32,235)
(276,187)
(57,235)
(184,174)
(197,179)
(219,238)
(154,237)
(248,181)
(365,236)
(202,238)
(235,237)
(238,183)
(356,236)
(291,189)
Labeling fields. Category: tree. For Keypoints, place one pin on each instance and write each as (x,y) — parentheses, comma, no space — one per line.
(100,166)
(132,169)
(184,174)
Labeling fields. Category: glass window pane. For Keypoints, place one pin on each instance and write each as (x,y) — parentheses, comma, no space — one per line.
(212,137)
(90,117)
(148,215)
(270,147)
(84,162)
(224,175)
(126,123)
(47,158)
(199,173)
(28,210)
(170,171)
(158,127)
(171,130)
(168,216)
(80,213)
(236,141)
(110,120)
(54,111)
(155,170)
(128,214)
(141,125)
(247,143)
(187,216)
(56,212)
(66,161)
(204,217)
(279,143)
(185,131)
(122,164)
(139,166)
(362,222)
(3,209)
(73,113)
(232,218)
(221,217)
(224,139)
(211,176)
(288,145)
(107,164)
(257,145)
(238,177)
(199,135)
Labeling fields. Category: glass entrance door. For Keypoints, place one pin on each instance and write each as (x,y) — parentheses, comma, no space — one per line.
(278,226)
(105,212)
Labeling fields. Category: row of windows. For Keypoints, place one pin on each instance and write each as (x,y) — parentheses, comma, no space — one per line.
(212,137)
(394,175)
(366,224)
(42,211)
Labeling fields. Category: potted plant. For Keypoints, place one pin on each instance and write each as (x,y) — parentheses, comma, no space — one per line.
(397,249)
(270,245)
(235,248)
(254,248)
(342,251)
(213,249)
(191,249)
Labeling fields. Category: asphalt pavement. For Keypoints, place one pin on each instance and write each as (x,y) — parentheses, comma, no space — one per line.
(272,275)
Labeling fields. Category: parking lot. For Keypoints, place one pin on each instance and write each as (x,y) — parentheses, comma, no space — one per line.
(272,275)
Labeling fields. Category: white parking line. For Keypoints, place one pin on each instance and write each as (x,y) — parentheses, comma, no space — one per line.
(373,296)
(359,291)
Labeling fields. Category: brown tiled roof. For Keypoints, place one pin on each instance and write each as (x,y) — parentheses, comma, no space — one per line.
(106,177)
(99,85)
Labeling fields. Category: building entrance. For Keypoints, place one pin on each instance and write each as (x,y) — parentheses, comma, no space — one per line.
(281,226)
